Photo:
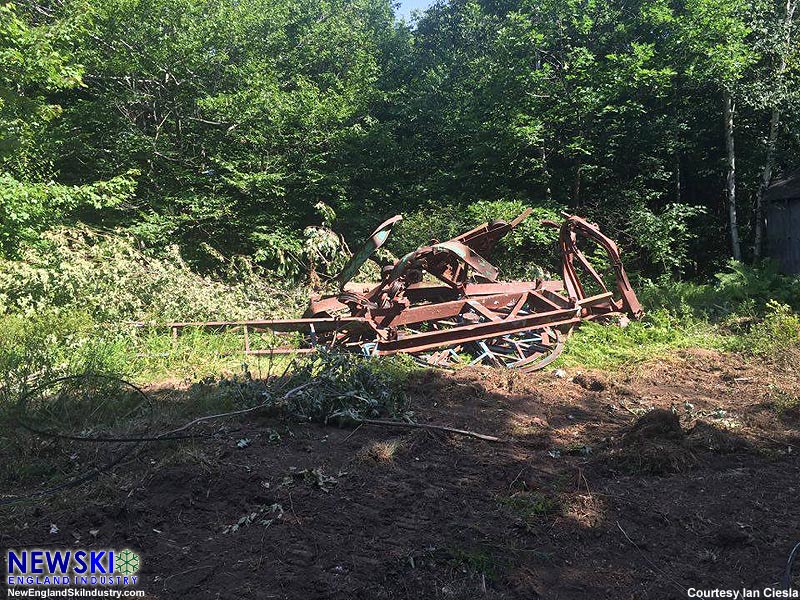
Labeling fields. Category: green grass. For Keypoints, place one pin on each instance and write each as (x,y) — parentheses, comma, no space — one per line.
(776,336)
(479,561)
(747,310)
(205,373)
(609,347)
(196,354)
(532,506)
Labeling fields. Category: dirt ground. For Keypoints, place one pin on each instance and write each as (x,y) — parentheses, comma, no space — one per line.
(594,495)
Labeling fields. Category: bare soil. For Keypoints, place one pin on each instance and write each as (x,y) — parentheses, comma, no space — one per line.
(595,495)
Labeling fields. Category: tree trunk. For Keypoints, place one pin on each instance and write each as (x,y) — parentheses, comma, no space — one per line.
(730,182)
(766,178)
(548,193)
(772,140)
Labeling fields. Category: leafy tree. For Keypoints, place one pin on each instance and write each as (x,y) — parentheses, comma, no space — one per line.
(234,111)
(777,91)
(36,60)
(716,34)
(666,236)
(223,125)
(37,63)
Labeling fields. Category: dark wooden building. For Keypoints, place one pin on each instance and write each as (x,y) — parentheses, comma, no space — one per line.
(782,201)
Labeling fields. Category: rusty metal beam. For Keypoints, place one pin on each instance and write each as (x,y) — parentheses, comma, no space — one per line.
(446,337)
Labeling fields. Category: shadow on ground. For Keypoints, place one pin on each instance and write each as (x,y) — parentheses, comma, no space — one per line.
(678,475)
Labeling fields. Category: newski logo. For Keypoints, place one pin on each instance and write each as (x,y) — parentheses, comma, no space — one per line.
(78,567)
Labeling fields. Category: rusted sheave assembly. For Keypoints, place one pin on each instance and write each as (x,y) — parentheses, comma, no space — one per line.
(460,313)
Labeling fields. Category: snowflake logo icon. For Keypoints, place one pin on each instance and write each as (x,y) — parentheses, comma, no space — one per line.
(127,562)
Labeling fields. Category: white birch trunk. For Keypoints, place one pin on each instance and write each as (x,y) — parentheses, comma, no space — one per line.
(730,181)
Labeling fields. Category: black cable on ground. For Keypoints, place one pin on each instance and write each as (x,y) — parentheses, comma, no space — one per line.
(103,439)
(787,578)
(96,471)
(137,441)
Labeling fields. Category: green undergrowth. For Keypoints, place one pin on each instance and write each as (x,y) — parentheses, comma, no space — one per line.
(194,354)
(73,305)
(776,337)
(608,346)
(745,309)
(773,335)
(112,277)
(350,387)
(739,292)
(320,387)
(83,300)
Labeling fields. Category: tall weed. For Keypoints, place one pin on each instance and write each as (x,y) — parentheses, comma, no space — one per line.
(776,337)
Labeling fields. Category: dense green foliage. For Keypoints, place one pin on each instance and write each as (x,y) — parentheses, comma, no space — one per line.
(225,125)
(109,277)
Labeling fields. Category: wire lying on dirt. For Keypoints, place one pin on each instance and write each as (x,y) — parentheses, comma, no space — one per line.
(244,411)
(787,577)
(103,439)
(137,440)
(474,434)
(321,381)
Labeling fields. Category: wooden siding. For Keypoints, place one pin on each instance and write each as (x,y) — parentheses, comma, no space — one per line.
(783,233)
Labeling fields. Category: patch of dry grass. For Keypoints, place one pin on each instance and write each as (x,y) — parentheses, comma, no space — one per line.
(381,452)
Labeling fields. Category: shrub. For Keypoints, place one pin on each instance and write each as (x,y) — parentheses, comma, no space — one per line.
(51,344)
(605,346)
(666,236)
(111,278)
(740,291)
(759,285)
(777,337)
(26,209)
(348,387)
